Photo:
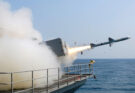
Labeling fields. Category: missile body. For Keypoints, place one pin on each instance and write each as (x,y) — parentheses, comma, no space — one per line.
(110,41)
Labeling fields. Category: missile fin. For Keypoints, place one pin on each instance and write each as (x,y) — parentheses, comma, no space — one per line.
(111,39)
(110,44)
(92,45)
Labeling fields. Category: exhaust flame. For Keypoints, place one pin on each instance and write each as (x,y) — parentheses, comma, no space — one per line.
(75,50)
(72,54)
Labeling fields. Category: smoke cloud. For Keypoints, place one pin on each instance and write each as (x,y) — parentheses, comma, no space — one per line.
(19,47)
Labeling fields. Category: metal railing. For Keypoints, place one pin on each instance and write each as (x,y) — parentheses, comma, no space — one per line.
(63,77)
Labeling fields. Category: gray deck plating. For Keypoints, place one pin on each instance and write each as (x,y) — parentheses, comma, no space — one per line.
(70,88)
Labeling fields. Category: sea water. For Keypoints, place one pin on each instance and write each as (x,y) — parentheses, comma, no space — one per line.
(112,76)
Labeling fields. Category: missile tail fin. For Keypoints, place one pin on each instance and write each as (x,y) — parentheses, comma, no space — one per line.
(110,44)
(92,45)
(111,40)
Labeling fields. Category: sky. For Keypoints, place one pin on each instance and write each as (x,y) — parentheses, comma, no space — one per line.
(85,22)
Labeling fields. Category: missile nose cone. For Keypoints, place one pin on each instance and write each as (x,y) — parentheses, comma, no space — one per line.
(128,37)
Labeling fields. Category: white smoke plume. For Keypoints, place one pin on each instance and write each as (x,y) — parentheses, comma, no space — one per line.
(72,54)
(19,47)
(68,59)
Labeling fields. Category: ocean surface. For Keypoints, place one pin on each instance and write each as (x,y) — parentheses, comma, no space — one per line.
(112,76)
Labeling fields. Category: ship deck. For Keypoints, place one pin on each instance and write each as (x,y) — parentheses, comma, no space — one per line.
(72,78)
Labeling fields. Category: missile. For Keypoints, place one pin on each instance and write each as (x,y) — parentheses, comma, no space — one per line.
(110,42)
(60,48)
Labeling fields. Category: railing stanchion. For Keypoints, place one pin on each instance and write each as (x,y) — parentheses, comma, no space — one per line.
(92,69)
(89,69)
(67,74)
(74,74)
(80,72)
(12,89)
(85,70)
(47,82)
(32,81)
(58,77)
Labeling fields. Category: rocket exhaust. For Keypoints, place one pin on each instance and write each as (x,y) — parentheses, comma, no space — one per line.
(74,50)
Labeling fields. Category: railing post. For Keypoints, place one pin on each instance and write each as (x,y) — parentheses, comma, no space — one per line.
(89,68)
(92,69)
(80,72)
(32,81)
(12,89)
(58,77)
(85,70)
(78,69)
(67,74)
(74,74)
(47,82)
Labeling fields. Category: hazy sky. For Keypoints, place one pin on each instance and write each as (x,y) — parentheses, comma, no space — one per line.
(84,22)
